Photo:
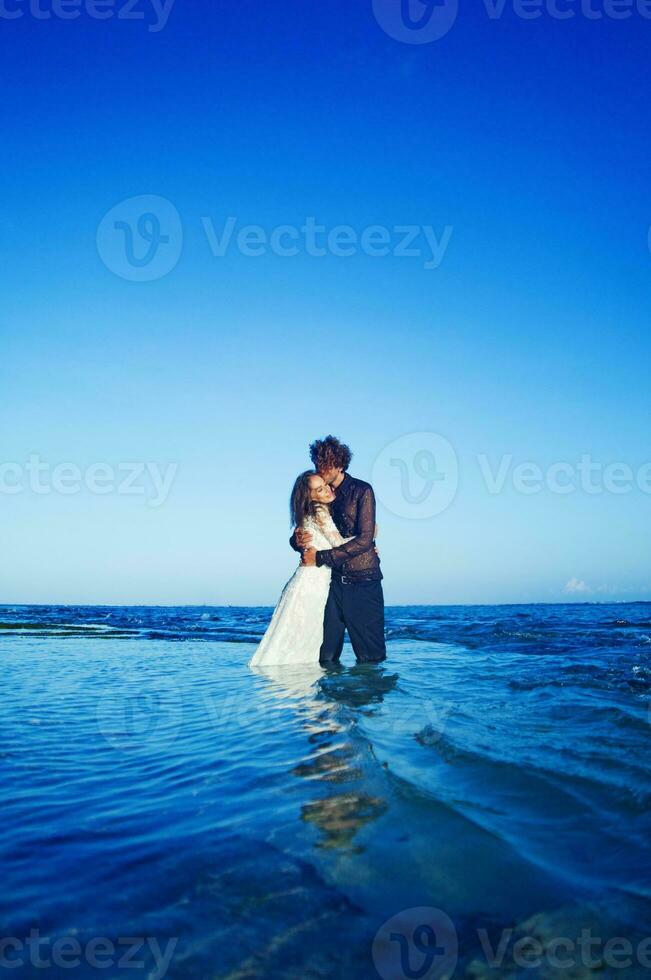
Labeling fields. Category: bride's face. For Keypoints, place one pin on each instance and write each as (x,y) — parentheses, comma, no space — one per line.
(320,492)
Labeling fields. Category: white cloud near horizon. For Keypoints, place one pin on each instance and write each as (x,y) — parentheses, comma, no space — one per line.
(577,586)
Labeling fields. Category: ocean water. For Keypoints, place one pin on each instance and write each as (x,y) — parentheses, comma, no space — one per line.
(488,785)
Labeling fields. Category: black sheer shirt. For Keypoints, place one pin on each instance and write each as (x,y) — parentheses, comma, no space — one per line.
(353,511)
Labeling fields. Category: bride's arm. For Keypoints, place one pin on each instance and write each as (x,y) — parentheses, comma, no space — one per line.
(336,540)
(332,535)
(346,540)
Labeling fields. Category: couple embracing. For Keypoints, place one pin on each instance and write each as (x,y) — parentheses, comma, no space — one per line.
(338,585)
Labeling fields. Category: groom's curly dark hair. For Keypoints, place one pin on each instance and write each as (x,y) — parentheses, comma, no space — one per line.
(329,452)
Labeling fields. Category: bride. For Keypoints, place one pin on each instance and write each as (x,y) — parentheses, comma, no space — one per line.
(295,633)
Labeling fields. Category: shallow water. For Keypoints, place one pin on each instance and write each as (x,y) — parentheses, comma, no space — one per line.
(493,772)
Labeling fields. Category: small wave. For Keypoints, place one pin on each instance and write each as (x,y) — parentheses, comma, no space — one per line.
(633,624)
(60,629)
(410,633)
(518,634)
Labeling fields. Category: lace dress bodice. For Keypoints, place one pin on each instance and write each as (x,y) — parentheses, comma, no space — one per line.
(323,530)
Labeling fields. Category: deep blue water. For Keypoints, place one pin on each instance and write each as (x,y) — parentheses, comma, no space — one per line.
(495,768)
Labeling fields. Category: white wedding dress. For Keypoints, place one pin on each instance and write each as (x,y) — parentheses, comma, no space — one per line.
(295,633)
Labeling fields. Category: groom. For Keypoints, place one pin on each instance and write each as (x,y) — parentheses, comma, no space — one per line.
(355,601)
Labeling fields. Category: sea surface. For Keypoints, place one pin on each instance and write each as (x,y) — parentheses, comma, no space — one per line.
(470,808)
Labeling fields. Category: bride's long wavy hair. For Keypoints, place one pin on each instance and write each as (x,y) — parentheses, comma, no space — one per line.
(300,504)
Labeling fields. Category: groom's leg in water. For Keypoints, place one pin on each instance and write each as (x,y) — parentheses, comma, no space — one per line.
(333,626)
(364,619)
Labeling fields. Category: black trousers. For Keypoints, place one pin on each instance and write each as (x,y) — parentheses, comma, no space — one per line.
(358,608)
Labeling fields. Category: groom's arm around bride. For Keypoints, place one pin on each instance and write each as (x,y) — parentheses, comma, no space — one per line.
(364,533)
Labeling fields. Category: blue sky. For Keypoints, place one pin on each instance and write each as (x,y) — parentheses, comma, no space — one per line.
(529,342)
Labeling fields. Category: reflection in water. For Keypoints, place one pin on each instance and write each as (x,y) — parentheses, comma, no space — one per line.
(358,686)
(341,816)
(323,701)
(299,680)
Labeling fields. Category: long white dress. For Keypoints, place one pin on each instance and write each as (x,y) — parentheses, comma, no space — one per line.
(295,633)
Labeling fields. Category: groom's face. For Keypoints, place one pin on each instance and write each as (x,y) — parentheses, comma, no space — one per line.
(329,473)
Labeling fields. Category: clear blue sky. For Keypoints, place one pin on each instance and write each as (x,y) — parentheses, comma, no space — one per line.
(530,139)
